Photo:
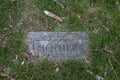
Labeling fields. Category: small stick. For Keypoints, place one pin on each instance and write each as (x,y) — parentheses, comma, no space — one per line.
(50,14)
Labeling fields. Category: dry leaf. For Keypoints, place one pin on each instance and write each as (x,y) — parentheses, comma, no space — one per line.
(4,75)
(108,50)
(5,72)
(87,59)
(50,14)
(7,76)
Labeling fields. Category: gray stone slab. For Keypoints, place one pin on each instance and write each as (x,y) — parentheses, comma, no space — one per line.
(58,44)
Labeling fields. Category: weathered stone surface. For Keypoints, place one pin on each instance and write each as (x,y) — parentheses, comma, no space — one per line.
(58,44)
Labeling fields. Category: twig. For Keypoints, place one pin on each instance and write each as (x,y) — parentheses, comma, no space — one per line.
(50,14)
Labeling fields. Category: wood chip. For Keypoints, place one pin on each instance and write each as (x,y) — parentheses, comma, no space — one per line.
(50,14)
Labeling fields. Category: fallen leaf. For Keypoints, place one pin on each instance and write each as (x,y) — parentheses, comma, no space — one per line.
(108,50)
(4,75)
(7,76)
(87,59)
(50,14)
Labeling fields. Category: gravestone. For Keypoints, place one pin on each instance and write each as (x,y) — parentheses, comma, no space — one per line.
(58,44)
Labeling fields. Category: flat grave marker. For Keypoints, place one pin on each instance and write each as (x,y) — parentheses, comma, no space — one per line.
(58,44)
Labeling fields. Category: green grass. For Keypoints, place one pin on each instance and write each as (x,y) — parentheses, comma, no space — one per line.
(101,21)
